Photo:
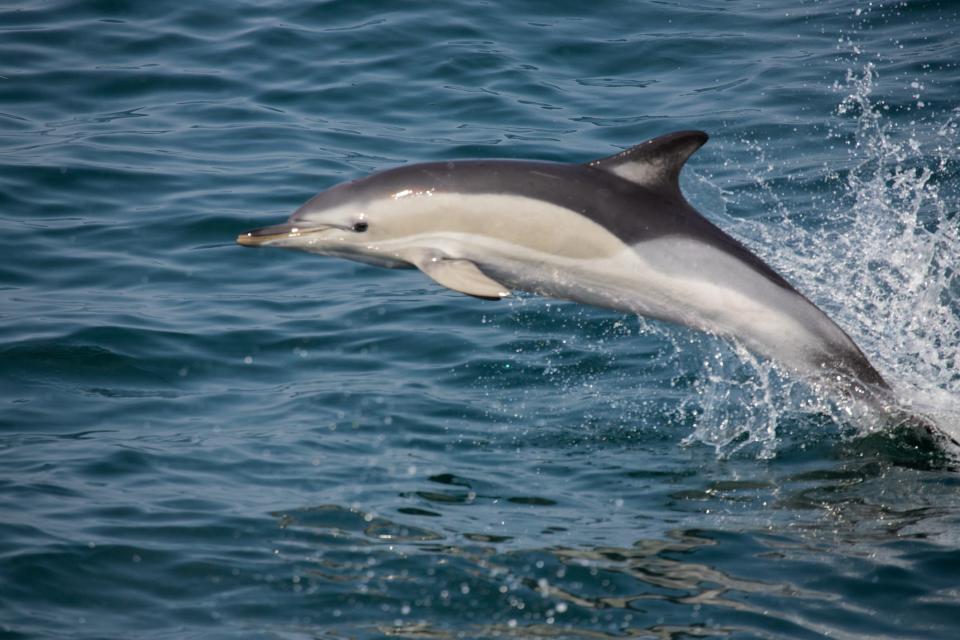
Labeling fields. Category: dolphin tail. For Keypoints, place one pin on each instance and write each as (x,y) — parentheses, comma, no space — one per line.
(882,402)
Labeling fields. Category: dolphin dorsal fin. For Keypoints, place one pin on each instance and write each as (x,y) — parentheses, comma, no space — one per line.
(656,163)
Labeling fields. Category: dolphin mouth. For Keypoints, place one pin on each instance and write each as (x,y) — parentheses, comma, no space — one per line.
(273,233)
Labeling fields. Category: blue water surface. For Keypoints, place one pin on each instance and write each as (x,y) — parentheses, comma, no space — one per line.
(203,441)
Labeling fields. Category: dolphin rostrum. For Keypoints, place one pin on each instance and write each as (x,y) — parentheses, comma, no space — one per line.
(615,233)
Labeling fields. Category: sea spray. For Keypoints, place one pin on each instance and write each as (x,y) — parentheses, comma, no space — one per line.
(880,259)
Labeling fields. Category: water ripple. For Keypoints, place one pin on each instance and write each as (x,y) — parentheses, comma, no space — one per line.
(200,440)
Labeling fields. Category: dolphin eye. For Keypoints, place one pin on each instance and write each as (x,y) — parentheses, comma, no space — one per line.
(360,226)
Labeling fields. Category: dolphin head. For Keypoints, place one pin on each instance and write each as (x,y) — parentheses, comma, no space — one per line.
(345,221)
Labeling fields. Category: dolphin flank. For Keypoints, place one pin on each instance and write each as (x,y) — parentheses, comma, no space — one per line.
(615,233)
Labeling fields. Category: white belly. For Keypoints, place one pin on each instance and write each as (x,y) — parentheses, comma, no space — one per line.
(681,281)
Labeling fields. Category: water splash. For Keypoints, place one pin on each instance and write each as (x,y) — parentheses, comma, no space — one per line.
(904,251)
(897,275)
(879,255)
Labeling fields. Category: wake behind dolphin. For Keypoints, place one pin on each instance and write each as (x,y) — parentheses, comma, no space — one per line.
(615,232)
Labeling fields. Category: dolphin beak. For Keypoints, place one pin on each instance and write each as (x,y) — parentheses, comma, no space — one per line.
(268,235)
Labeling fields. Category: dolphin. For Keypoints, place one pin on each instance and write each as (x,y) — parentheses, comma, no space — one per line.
(615,232)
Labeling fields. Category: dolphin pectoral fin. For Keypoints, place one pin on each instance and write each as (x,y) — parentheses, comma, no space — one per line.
(463,276)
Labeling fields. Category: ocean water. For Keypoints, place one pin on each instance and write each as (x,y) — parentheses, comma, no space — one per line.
(203,441)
